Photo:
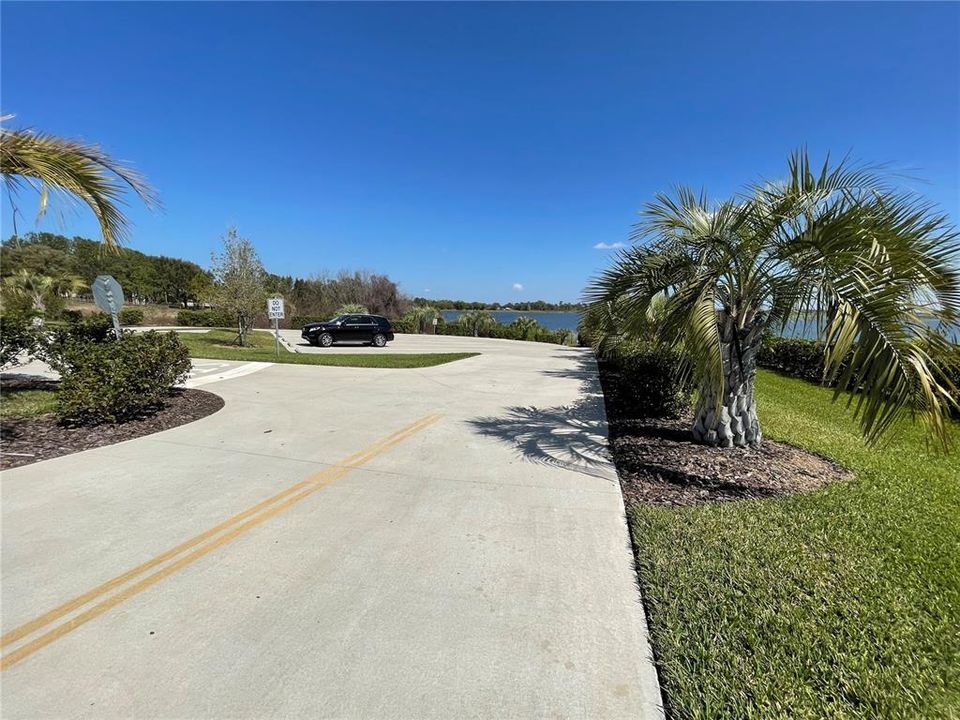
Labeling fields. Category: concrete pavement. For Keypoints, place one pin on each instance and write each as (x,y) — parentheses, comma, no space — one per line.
(437,543)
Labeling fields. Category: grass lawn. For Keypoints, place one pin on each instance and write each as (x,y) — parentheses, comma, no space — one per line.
(844,603)
(16,403)
(215,344)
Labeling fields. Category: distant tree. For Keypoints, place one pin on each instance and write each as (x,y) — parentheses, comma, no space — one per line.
(50,164)
(351,308)
(477,322)
(200,289)
(423,316)
(40,289)
(526,327)
(239,282)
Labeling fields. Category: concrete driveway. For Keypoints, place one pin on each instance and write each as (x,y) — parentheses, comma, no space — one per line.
(336,543)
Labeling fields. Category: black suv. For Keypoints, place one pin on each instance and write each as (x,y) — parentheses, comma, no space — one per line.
(368,329)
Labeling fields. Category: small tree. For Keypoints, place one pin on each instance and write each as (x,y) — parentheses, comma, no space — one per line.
(525,327)
(476,322)
(39,290)
(239,279)
(424,316)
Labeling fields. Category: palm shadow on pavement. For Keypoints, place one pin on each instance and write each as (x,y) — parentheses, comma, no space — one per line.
(571,437)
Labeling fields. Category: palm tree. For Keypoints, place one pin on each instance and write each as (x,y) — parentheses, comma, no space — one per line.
(526,327)
(424,315)
(476,321)
(38,289)
(869,267)
(74,170)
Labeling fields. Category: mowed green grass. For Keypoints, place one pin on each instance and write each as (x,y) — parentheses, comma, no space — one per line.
(842,603)
(15,403)
(216,344)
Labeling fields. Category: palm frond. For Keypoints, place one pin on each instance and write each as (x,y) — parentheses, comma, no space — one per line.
(73,169)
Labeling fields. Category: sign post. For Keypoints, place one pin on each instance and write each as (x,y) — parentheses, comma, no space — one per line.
(275,313)
(108,295)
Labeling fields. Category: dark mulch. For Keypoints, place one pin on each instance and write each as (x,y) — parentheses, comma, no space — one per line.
(29,440)
(658,464)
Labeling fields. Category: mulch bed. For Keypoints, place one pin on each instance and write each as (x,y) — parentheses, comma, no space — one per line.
(30,440)
(659,464)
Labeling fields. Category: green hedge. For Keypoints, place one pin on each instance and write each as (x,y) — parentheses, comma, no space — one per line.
(117,380)
(205,318)
(131,316)
(643,379)
(793,356)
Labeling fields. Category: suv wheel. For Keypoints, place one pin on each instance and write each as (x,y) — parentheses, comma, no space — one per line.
(325,340)
(379,340)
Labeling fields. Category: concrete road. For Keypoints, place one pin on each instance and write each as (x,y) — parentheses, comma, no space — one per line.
(336,543)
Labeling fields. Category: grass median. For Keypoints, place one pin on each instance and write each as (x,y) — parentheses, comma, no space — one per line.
(841,603)
(217,345)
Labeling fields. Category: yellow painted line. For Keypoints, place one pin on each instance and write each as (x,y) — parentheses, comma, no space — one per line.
(78,602)
(306,487)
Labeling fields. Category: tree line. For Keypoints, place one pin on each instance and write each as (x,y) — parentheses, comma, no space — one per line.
(162,280)
(525,306)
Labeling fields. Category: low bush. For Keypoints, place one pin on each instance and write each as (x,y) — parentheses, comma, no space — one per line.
(793,356)
(18,338)
(131,316)
(205,318)
(643,379)
(71,316)
(97,328)
(405,324)
(120,379)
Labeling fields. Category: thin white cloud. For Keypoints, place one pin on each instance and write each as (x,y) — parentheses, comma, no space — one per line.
(517,286)
(608,246)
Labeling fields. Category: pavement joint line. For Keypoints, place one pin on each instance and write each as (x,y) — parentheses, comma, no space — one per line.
(248,519)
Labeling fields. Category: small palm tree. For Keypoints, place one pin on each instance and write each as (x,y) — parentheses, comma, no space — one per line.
(424,315)
(564,336)
(476,321)
(526,327)
(74,170)
(869,267)
(38,289)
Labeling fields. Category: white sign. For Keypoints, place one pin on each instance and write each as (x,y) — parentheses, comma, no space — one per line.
(275,308)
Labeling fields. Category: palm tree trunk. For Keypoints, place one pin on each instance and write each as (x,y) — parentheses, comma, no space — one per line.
(734,423)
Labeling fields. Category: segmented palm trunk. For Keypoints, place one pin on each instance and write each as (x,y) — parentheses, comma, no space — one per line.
(734,423)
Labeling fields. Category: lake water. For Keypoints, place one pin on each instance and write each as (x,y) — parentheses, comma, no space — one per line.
(569,320)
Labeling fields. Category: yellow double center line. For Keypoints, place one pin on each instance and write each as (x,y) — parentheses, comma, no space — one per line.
(200,545)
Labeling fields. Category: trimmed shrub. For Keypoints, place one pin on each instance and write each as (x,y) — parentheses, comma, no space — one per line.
(71,316)
(793,356)
(643,379)
(120,379)
(406,323)
(131,316)
(205,318)
(17,335)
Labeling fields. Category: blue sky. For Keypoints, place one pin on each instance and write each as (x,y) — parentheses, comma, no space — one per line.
(468,148)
